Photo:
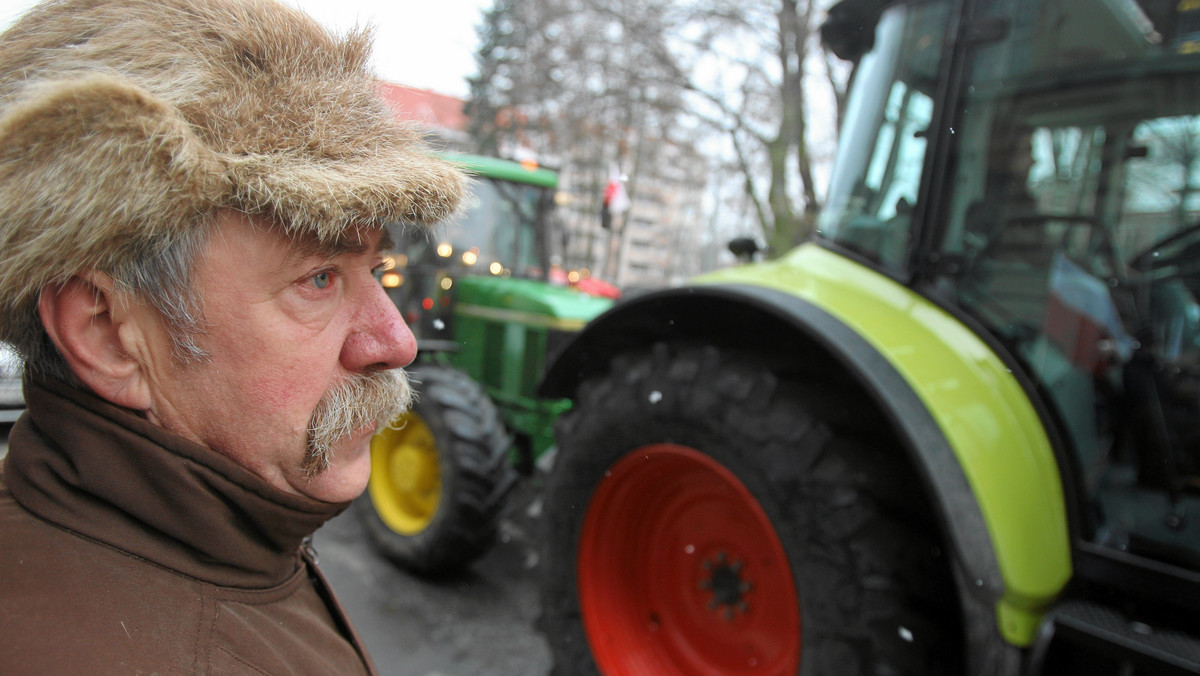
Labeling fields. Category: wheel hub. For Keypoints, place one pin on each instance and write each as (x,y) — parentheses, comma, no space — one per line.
(411,470)
(723,578)
(405,484)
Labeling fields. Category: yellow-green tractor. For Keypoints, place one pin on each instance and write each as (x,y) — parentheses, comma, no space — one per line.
(956,433)
(479,297)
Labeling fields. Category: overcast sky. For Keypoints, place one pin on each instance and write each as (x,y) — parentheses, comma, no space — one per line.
(422,43)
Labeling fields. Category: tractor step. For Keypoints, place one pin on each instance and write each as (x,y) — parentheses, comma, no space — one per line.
(1083,631)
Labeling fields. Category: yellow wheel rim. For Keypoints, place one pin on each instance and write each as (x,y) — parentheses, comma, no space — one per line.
(406,480)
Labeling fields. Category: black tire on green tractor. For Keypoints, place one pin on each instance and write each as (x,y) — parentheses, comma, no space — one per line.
(440,475)
(705,517)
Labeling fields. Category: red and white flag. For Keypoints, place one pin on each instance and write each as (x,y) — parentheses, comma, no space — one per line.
(615,200)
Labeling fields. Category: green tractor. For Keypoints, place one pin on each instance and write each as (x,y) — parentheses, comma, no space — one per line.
(958,432)
(478,296)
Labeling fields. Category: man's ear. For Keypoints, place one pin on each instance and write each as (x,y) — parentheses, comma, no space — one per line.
(93,330)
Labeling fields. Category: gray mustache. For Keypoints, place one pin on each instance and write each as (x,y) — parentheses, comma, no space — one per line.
(374,398)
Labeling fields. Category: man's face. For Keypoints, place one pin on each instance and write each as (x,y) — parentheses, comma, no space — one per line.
(286,330)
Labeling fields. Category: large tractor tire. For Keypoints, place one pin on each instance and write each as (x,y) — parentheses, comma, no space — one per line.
(440,475)
(706,518)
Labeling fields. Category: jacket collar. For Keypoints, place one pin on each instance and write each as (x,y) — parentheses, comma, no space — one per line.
(109,475)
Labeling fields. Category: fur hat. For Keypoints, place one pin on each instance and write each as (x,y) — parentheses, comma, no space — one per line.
(125,122)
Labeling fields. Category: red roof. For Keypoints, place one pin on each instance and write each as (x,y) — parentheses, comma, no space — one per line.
(425,106)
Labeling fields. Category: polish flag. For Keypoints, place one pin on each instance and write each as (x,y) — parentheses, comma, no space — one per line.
(1082,321)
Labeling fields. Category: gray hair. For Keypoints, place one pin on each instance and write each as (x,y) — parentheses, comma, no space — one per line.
(161,277)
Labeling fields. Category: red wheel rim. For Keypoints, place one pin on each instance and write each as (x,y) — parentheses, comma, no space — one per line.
(681,573)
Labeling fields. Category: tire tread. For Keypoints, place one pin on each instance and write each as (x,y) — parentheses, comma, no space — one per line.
(877,594)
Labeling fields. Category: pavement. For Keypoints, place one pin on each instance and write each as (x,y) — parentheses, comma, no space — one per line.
(477,623)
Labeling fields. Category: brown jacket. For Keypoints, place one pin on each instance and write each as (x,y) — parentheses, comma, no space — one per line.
(127,550)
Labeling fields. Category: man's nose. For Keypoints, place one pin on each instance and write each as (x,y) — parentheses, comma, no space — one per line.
(380,340)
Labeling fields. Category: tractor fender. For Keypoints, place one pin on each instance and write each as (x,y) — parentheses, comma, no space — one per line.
(966,423)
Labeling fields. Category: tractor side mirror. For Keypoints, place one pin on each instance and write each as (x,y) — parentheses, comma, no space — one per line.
(849,30)
(744,248)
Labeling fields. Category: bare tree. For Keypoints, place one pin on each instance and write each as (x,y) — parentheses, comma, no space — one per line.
(762,98)
(608,79)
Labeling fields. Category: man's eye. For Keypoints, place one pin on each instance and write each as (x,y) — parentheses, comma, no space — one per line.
(321,280)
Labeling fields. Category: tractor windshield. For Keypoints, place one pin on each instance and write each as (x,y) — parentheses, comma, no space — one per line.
(880,157)
(498,232)
(500,226)
(1062,215)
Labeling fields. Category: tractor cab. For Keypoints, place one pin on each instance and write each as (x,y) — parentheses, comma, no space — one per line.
(1053,202)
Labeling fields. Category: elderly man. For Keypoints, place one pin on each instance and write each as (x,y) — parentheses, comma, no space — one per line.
(192,201)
